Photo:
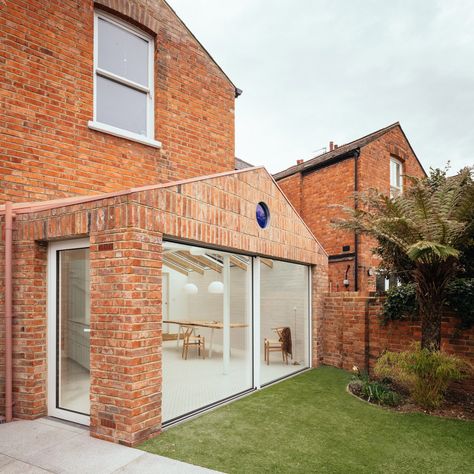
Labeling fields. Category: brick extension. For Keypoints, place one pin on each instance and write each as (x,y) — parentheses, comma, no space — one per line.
(126,233)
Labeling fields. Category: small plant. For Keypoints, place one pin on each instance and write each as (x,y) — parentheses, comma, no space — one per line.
(374,391)
(425,374)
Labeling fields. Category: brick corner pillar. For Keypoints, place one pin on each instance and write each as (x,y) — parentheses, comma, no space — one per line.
(319,279)
(125,334)
(29,330)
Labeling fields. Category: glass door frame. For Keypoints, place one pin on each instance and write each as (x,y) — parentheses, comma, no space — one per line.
(255,320)
(52,311)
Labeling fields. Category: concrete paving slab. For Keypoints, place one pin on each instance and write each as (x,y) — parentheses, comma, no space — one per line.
(28,437)
(154,464)
(83,454)
(65,425)
(52,446)
(19,467)
(5,460)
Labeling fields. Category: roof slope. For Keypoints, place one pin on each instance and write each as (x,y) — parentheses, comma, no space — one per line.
(339,152)
(241,164)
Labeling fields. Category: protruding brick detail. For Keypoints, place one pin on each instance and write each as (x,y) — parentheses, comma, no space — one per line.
(126,334)
(319,280)
(29,329)
(46,99)
(352,333)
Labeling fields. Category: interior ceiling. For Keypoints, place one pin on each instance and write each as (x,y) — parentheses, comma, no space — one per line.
(184,262)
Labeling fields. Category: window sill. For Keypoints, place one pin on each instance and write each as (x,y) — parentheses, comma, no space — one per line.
(118,132)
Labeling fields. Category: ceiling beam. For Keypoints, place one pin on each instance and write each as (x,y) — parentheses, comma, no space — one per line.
(238,263)
(208,262)
(267,262)
(171,265)
(185,263)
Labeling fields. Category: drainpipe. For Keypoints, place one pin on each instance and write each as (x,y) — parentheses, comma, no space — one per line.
(356,205)
(8,311)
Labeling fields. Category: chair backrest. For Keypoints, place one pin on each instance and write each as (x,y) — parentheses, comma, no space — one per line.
(284,336)
(188,331)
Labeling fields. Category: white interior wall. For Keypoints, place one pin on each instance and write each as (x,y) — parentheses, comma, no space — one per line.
(209,307)
(178,299)
(284,302)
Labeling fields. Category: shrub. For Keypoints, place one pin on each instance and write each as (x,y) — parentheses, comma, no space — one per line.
(425,374)
(374,391)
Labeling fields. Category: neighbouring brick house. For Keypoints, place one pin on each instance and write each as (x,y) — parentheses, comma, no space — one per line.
(141,275)
(315,187)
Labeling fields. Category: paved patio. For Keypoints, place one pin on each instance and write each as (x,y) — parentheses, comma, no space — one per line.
(48,445)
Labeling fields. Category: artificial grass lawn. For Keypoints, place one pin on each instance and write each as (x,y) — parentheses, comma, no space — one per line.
(311,424)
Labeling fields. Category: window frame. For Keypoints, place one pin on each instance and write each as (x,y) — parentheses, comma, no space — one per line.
(94,124)
(396,190)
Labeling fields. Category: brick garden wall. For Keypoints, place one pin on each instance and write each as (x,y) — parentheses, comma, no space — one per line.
(352,334)
(46,101)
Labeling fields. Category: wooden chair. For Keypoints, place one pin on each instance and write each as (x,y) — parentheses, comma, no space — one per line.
(191,340)
(282,345)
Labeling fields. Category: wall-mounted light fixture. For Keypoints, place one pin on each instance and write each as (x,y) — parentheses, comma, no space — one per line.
(370,272)
(346,278)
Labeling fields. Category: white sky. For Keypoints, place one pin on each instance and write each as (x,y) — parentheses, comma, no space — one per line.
(319,70)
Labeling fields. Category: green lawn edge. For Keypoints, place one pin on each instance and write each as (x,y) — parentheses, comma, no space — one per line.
(309,423)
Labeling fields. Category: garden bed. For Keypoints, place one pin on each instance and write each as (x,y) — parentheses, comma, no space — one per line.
(458,405)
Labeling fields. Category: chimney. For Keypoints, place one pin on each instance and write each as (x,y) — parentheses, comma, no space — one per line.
(335,146)
(331,146)
(298,162)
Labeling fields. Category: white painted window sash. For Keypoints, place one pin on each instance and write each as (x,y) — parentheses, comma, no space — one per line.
(94,124)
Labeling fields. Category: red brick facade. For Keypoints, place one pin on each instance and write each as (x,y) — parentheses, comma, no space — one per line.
(315,193)
(126,284)
(46,101)
(352,334)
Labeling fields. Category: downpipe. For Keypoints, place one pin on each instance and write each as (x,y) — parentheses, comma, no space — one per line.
(8,312)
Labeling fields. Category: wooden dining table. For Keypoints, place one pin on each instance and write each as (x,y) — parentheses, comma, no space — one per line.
(212,325)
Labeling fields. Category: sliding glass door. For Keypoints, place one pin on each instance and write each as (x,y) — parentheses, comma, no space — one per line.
(207,338)
(214,347)
(69,330)
(284,319)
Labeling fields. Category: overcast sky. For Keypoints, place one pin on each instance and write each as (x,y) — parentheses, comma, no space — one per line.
(319,70)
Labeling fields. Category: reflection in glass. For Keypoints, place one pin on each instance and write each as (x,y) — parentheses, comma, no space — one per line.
(73,331)
(284,319)
(121,106)
(207,345)
(122,52)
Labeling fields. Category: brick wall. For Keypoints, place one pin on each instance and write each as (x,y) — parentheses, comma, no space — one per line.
(313,193)
(374,172)
(352,333)
(46,100)
(126,284)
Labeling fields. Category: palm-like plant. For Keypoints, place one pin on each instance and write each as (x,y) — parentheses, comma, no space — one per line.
(421,235)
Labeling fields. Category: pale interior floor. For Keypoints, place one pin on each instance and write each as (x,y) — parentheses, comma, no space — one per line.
(187,384)
(74,386)
(194,383)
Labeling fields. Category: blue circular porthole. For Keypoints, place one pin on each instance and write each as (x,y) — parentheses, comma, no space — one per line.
(263,215)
